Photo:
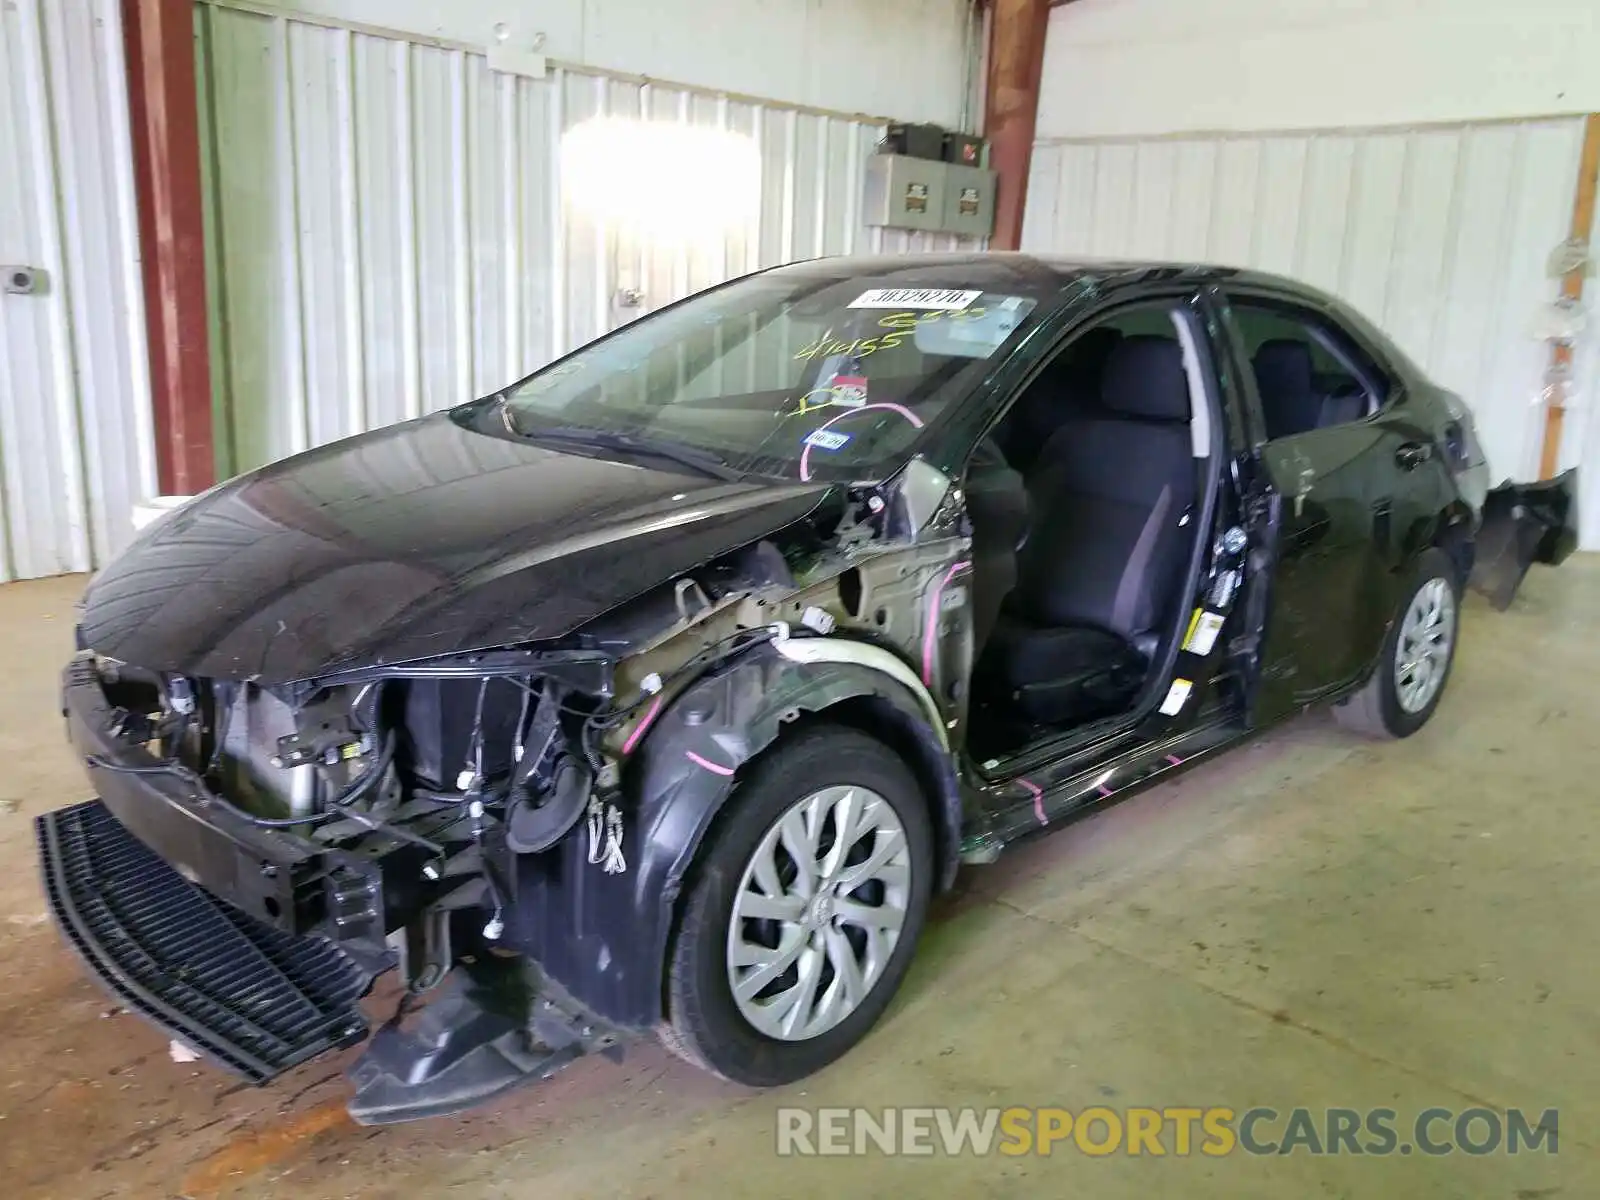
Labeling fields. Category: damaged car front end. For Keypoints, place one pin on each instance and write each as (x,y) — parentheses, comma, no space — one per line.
(462,706)
(496,825)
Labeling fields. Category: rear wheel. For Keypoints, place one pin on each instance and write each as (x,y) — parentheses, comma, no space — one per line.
(803,914)
(1418,651)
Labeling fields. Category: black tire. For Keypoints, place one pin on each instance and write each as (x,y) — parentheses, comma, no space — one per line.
(703,1022)
(1375,709)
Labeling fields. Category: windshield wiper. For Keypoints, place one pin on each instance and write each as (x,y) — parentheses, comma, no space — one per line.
(693,457)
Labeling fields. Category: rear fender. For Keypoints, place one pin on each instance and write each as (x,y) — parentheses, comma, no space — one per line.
(1451,530)
(602,932)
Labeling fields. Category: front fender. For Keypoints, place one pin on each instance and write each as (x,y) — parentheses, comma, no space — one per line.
(604,936)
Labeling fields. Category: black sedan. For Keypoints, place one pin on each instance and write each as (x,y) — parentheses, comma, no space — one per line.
(659,692)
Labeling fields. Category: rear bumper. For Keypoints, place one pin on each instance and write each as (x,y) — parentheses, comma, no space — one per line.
(1523,524)
(255,999)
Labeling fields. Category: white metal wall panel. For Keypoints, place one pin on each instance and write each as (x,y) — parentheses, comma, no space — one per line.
(800,52)
(1439,235)
(75,442)
(387,232)
(1143,68)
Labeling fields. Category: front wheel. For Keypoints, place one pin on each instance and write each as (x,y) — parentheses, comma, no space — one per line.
(802,915)
(1417,654)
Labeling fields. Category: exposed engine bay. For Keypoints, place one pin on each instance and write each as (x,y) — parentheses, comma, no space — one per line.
(531,811)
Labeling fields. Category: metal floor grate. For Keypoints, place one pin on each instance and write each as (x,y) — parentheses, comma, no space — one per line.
(258,1000)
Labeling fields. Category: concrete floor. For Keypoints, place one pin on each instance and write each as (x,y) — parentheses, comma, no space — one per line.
(1313,921)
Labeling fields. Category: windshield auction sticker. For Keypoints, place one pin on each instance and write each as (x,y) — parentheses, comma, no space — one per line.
(941,298)
(827,439)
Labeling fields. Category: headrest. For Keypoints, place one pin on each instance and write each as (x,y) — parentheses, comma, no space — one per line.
(1283,368)
(1144,377)
(1076,369)
(1089,352)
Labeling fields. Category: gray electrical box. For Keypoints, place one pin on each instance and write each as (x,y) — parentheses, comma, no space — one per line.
(968,200)
(905,193)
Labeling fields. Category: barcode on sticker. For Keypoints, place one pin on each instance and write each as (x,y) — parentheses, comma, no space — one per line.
(1176,695)
(946,299)
(1203,633)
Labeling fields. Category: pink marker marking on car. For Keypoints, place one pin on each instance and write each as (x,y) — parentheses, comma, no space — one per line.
(1038,799)
(714,768)
(805,455)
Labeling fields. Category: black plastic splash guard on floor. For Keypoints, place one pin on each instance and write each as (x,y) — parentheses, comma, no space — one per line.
(257,1000)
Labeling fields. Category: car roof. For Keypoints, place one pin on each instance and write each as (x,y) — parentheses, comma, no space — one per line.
(1047,276)
(995,270)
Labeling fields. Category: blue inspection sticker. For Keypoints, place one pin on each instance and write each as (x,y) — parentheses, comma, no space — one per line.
(827,439)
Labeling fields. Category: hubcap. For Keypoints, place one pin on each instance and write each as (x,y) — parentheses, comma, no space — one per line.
(818,912)
(1423,652)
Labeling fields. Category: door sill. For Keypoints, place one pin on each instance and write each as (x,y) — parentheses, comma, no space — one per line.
(1017,806)
(1103,737)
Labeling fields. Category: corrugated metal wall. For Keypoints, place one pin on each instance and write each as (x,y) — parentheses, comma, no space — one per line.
(1440,235)
(75,440)
(387,233)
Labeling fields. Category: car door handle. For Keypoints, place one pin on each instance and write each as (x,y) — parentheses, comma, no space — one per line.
(1412,455)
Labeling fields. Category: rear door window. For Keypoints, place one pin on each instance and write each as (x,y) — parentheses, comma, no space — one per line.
(1308,374)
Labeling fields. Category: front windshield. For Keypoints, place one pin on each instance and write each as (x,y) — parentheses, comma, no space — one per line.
(808,372)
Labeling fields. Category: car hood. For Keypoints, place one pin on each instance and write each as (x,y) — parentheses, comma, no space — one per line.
(411,542)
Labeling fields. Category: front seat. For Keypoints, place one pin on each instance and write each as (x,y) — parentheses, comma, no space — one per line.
(1112,500)
(1290,402)
(1065,385)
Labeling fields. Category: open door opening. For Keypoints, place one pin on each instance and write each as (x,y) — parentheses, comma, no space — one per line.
(1092,504)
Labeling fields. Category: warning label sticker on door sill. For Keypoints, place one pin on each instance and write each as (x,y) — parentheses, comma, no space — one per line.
(1203,630)
(1177,694)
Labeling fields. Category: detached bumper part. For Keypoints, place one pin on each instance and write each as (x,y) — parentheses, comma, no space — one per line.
(490,1027)
(1523,524)
(260,1001)
(257,1000)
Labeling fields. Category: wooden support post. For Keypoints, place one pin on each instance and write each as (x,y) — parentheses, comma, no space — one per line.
(158,37)
(1011,107)
(1571,290)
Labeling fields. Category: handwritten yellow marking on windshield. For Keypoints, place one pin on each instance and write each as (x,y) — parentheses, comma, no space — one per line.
(807,404)
(830,399)
(910,320)
(860,347)
(900,323)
